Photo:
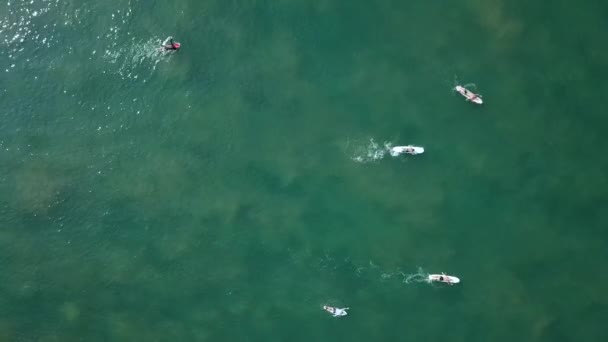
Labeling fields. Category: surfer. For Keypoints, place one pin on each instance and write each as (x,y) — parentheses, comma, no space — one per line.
(409,149)
(470,95)
(336,312)
(170,45)
(450,280)
(445,279)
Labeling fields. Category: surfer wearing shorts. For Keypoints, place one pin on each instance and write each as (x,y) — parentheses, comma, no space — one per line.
(470,95)
(441,278)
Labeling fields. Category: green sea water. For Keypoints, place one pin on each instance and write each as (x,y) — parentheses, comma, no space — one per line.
(230,190)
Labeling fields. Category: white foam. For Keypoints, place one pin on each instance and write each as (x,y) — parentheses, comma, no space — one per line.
(419,277)
(369,152)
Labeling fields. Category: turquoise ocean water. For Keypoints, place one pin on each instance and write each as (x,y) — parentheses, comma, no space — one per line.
(228,191)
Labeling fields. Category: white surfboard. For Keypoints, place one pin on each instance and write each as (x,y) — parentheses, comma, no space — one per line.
(469,95)
(409,149)
(442,278)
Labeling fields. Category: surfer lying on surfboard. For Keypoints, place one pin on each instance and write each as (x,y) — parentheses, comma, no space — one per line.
(442,278)
(446,279)
(409,149)
(170,45)
(469,95)
(336,312)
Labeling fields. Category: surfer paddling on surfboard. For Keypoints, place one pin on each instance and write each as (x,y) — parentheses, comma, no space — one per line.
(443,278)
(469,95)
(336,312)
(170,45)
(409,149)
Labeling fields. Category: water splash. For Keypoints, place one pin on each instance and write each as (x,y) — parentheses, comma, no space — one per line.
(394,153)
(135,58)
(128,56)
(370,152)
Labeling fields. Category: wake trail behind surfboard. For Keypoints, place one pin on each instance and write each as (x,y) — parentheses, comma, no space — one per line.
(371,272)
(370,152)
(136,58)
(419,277)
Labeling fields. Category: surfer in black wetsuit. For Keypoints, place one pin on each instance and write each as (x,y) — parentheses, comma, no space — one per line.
(170,45)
